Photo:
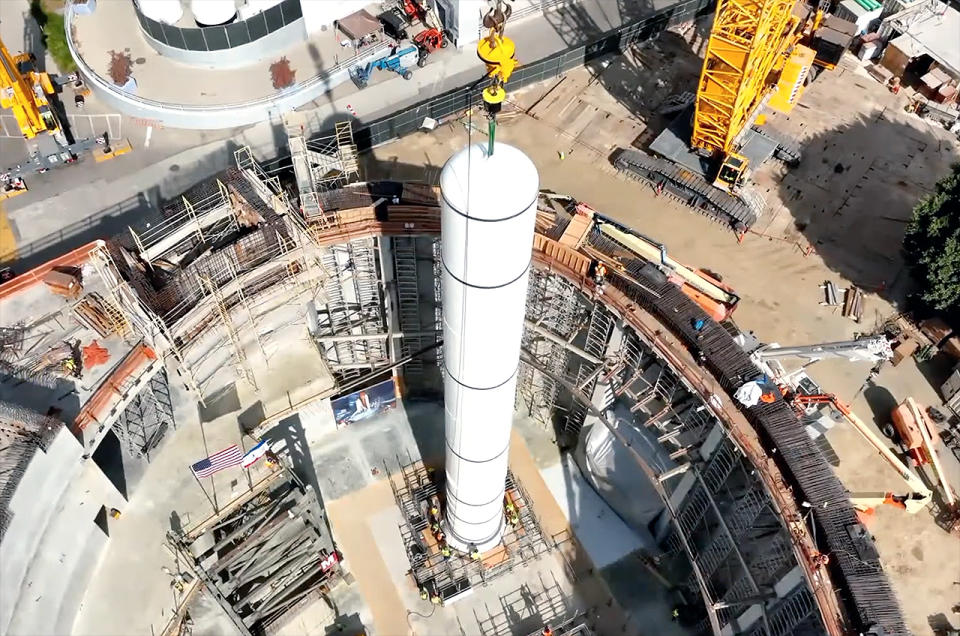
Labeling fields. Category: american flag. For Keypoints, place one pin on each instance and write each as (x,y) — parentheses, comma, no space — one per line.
(230,456)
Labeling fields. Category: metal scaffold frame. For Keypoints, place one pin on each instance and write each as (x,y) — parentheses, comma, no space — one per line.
(353,310)
(449,577)
(194,223)
(262,271)
(265,555)
(322,164)
(243,367)
(148,417)
(558,315)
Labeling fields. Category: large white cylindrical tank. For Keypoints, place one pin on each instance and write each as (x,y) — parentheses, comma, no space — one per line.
(213,12)
(488,216)
(166,11)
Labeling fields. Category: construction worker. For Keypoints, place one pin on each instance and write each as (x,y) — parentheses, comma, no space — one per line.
(271,460)
(599,273)
(474,552)
(424,595)
(445,551)
(675,615)
(435,598)
(70,367)
(511,513)
(547,631)
(434,513)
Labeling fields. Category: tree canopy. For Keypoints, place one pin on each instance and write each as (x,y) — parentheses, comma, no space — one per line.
(932,245)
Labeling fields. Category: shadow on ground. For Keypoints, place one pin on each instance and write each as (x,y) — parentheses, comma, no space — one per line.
(852,196)
(631,78)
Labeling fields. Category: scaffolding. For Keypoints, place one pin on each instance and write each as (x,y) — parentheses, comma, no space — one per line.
(188,225)
(353,310)
(598,334)
(453,576)
(243,368)
(322,164)
(147,419)
(557,315)
(228,254)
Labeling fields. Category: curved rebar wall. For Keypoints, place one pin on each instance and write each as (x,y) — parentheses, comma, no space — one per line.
(852,592)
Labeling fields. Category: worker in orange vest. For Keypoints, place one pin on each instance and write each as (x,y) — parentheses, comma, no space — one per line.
(547,631)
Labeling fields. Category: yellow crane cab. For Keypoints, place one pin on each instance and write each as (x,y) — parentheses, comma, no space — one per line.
(731,172)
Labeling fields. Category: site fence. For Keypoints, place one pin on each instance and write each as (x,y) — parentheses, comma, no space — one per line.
(460,99)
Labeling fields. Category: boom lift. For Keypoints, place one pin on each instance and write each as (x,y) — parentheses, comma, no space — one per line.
(760,52)
(918,496)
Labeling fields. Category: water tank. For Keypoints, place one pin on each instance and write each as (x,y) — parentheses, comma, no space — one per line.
(167,11)
(213,12)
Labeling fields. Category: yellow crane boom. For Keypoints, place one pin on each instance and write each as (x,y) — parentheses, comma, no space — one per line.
(26,95)
(748,39)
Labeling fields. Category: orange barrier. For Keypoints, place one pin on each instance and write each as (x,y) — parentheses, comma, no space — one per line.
(112,391)
(74,258)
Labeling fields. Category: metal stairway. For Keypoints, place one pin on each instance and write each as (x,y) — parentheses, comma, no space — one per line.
(408,300)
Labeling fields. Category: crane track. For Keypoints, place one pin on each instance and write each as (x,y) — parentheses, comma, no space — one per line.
(690,189)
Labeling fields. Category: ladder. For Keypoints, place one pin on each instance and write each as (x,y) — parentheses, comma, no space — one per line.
(347,150)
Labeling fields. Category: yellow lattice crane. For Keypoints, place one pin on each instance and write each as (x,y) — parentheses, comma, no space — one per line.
(755,46)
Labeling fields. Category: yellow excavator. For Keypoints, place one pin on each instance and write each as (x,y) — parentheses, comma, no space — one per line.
(761,53)
(31,96)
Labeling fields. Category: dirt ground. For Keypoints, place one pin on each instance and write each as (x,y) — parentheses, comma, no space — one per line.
(839,216)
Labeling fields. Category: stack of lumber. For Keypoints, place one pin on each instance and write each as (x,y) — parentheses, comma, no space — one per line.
(420,193)
(853,304)
(95,313)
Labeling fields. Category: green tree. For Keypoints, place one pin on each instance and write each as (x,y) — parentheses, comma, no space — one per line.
(932,245)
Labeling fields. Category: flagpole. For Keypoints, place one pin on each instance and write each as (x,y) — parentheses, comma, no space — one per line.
(197,479)
(213,487)
(243,447)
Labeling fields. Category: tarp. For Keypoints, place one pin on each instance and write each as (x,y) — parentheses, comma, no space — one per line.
(611,469)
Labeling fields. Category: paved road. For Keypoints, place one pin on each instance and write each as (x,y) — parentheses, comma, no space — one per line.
(68,207)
